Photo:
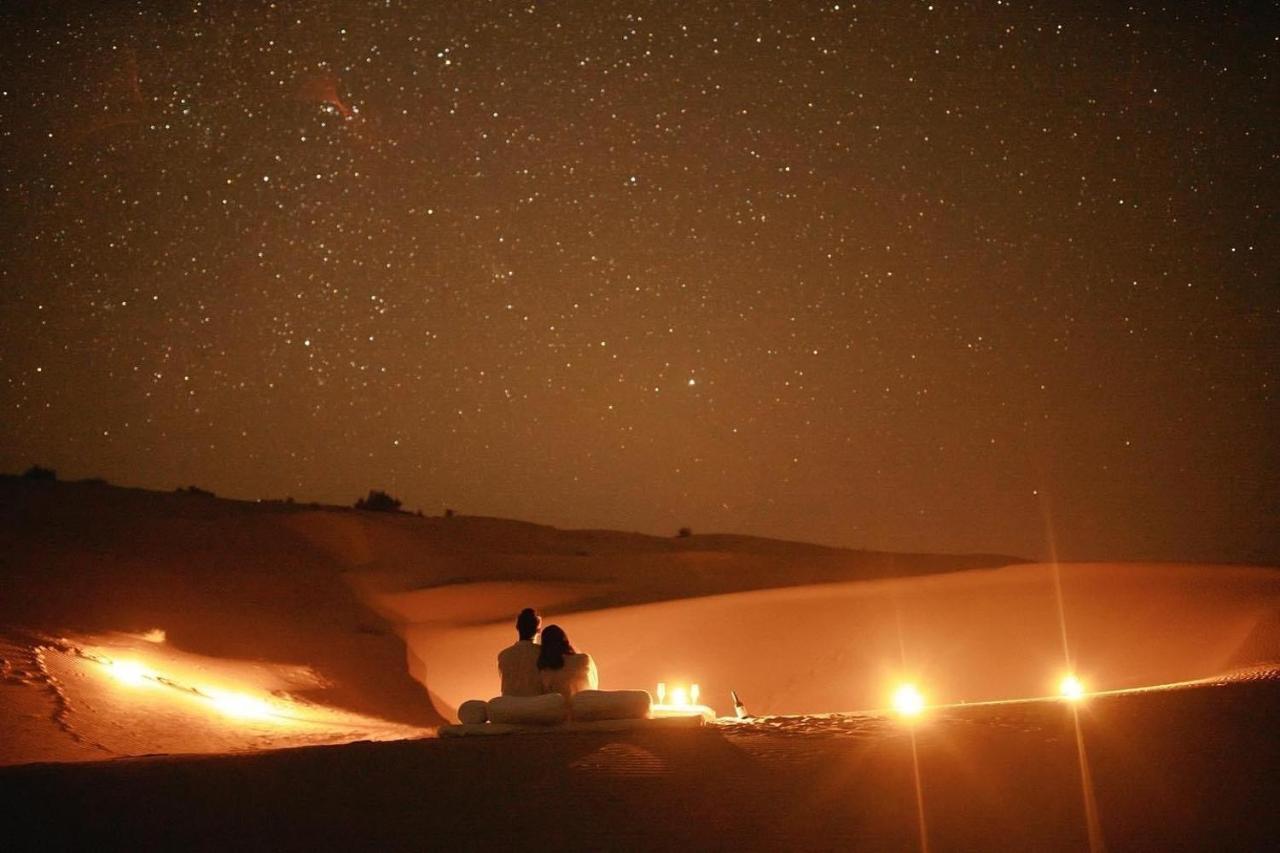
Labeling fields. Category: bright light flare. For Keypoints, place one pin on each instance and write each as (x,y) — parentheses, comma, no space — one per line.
(129,672)
(239,705)
(908,701)
(679,697)
(1071,688)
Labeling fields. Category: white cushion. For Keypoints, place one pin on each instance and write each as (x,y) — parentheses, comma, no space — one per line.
(545,710)
(473,711)
(611,705)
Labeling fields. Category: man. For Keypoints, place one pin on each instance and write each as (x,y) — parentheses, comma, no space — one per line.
(518,663)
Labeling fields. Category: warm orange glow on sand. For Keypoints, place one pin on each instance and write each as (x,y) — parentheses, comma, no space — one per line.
(908,701)
(130,695)
(1071,688)
(229,703)
(129,672)
(240,705)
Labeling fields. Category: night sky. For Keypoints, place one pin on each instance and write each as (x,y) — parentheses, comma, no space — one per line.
(994,276)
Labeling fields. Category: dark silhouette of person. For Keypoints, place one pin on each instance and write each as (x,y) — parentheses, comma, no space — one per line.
(564,670)
(518,662)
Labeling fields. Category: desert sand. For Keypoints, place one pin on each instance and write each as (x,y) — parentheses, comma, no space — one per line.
(1184,769)
(309,609)
(160,652)
(964,636)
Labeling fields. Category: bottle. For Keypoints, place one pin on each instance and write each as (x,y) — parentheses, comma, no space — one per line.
(738,707)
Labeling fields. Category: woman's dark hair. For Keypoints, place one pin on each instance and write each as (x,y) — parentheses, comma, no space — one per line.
(555,645)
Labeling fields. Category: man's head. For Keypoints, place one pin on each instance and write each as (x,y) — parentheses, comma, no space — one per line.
(527,623)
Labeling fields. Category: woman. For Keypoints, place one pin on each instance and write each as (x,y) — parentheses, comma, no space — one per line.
(563,670)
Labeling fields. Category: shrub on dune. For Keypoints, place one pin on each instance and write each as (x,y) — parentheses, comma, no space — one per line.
(378,501)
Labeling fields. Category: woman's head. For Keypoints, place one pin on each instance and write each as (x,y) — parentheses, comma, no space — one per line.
(555,645)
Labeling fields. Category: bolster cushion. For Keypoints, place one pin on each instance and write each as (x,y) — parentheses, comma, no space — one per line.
(611,705)
(473,711)
(545,710)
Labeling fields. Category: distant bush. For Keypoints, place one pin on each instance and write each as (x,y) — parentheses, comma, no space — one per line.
(378,501)
(195,490)
(36,472)
(684,533)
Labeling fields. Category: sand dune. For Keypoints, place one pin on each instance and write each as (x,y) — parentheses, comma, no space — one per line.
(253,590)
(397,618)
(968,636)
(96,697)
(226,583)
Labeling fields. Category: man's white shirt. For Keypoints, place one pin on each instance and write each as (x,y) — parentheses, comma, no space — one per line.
(518,669)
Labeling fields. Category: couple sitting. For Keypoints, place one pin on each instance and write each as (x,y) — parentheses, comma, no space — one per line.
(528,668)
(548,683)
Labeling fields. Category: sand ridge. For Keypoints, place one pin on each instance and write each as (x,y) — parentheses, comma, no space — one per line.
(397,618)
(977,635)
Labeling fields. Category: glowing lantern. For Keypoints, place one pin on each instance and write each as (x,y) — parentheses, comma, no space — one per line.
(1071,688)
(908,701)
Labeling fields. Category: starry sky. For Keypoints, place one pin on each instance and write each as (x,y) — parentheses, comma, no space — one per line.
(992,276)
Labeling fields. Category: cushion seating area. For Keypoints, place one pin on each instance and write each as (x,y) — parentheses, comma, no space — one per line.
(473,711)
(588,705)
(504,714)
(545,710)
